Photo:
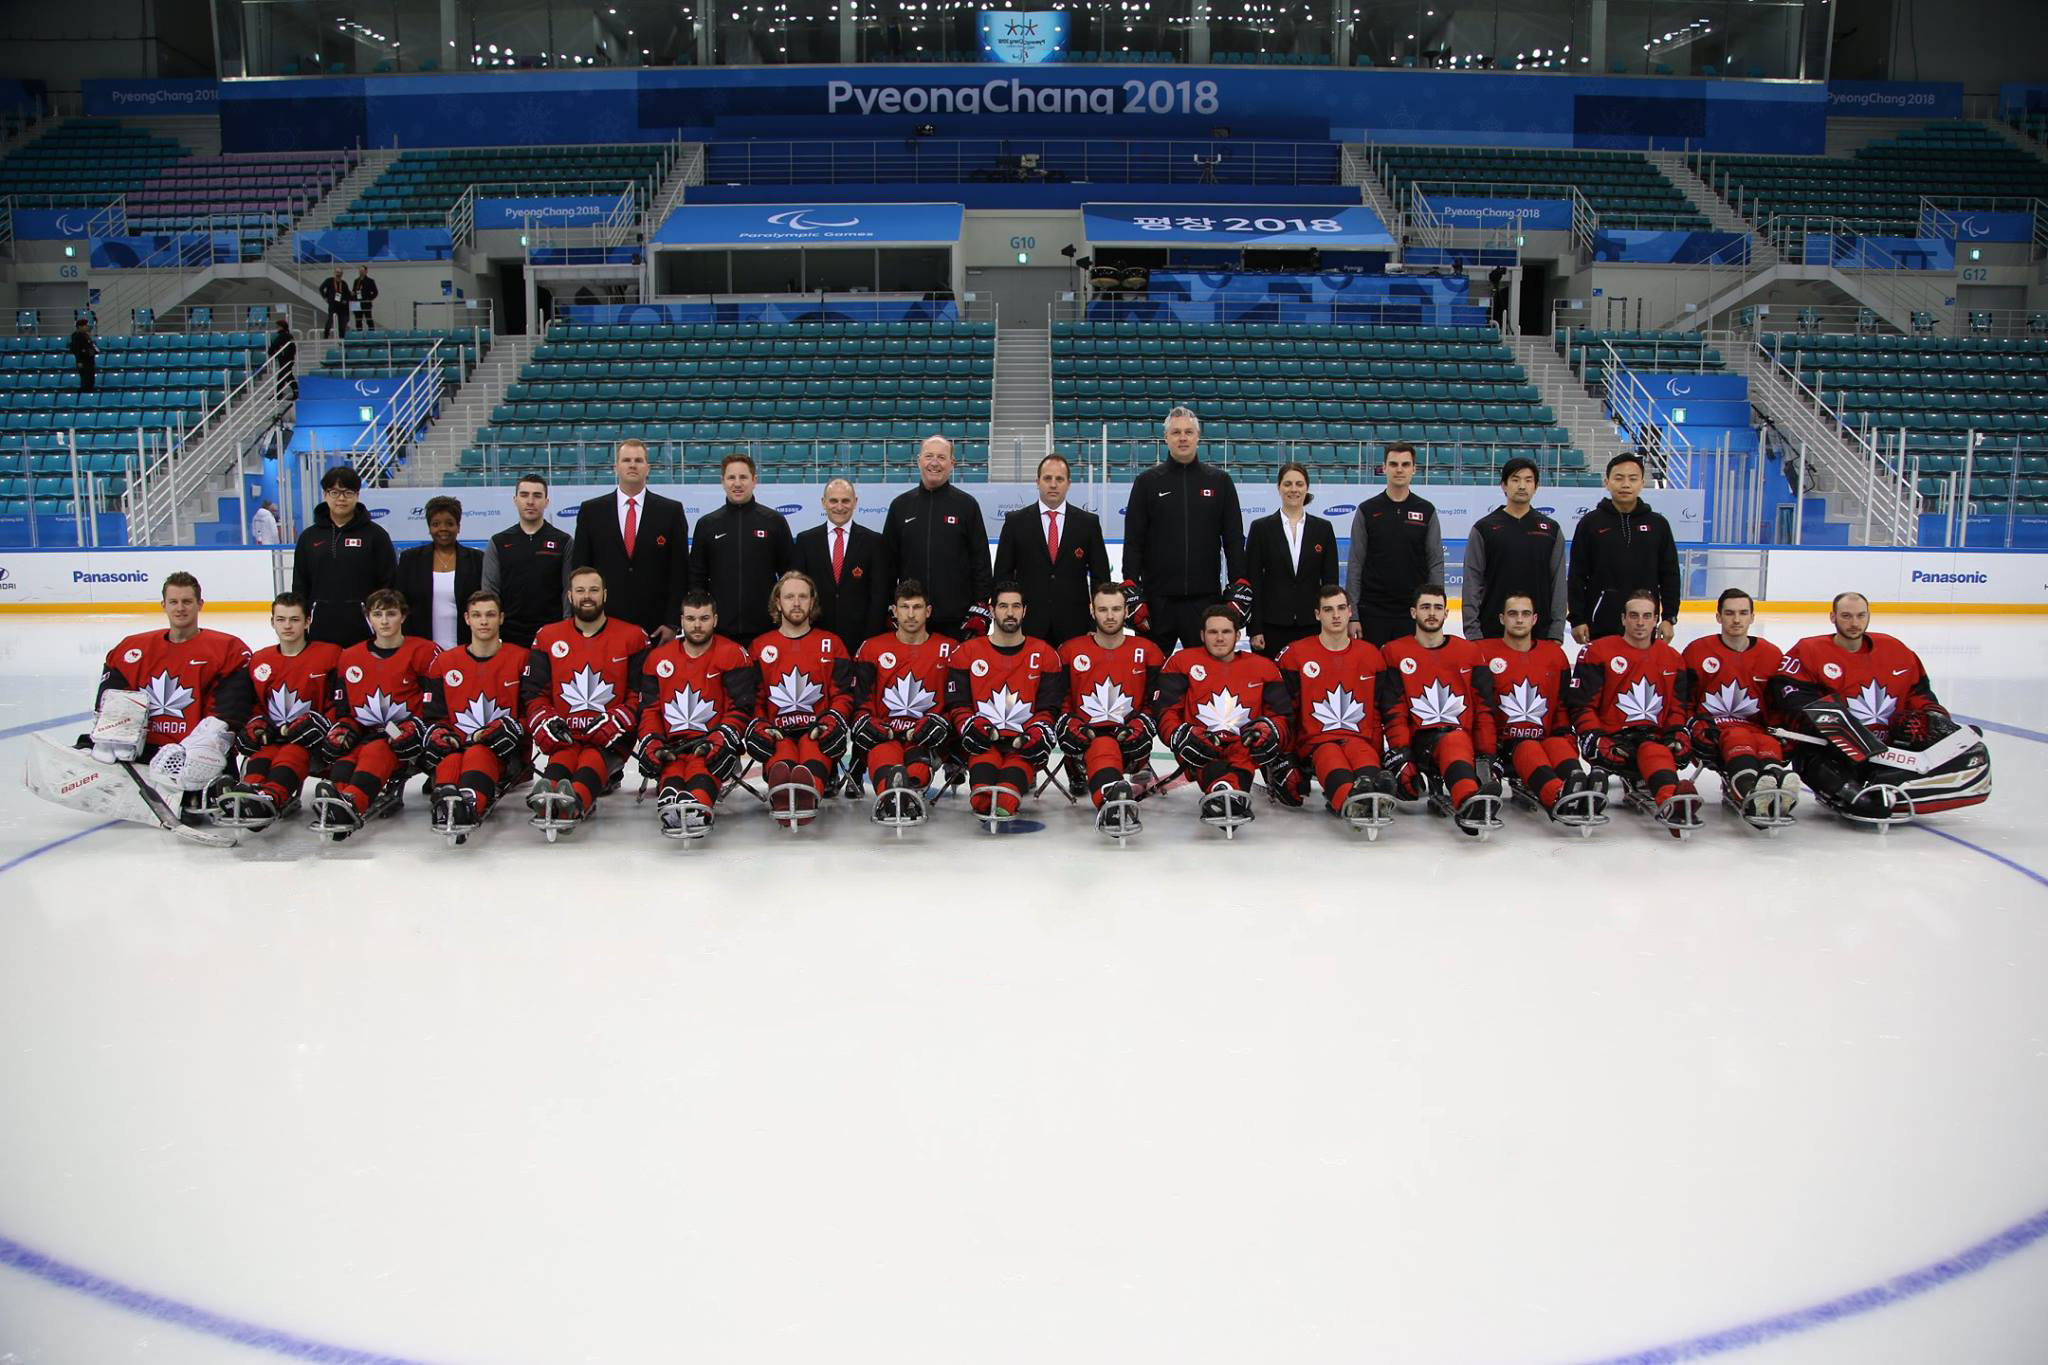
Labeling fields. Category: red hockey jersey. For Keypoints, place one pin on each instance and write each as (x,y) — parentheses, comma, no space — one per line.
(466,693)
(1446,688)
(582,678)
(1528,688)
(292,686)
(902,684)
(1106,687)
(1219,697)
(686,698)
(1334,690)
(1009,688)
(1727,686)
(1617,687)
(379,688)
(803,678)
(182,683)
(1879,683)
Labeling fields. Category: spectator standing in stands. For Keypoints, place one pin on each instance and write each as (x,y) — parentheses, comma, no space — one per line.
(438,577)
(1618,547)
(1497,281)
(86,352)
(845,560)
(934,534)
(1055,552)
(335,291)
(1183,532)
(284,349)
(1512,550)
(364,291)
(740,550)
(528,564)
(263,527)
(341,558)
(1397,545)
(640,542)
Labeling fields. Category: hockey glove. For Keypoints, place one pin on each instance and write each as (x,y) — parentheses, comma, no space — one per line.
(762,739)
(1135,736)
(1604,751)
(830,735)
(612,729)
(722,753)
(1287,779)
(340,738)
(1238,597)
(1262,740)
(442,741)
(978,735)
(254,734)
(408,741)
(932,732)
(1192,747)
(1136,614)
(1679,742)
(653,756)
(1074,737)
(867,732)
(551,734)
(502,737)
(1923,725)
(1402,772)
(977,621)
(1037,744)
(306,732)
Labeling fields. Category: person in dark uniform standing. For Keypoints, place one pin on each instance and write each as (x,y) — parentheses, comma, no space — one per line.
(1054,551)
(335,291)
(845,560)
(1618,547)
(284,349)
(1397,545)
(528,564)
(341,559)
(741,549)
(639,542)
(1183,533)
(364,292)
(1290,556)
(86,352)
(934,534)
(1515,550)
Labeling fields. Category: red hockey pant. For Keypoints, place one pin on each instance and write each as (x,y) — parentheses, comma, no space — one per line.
(892,754)
(1233,765)
(1448,753)
(474,769)
(798,760)
(1338,760)
(1542,763)
(1749,741)
(279,769)
(1658,769)
(587,768)
(360,774)
(688,774)
(1007,775)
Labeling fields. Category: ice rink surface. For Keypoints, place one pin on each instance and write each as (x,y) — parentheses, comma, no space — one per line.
(1029,1098)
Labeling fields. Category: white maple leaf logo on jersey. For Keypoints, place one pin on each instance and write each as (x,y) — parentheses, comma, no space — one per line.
(380,709)
(1729,701)
(1005,710)
(480,712)
(687,710)
(285,706)
(1642,704)
(1338,710)
(1222,713)
(587,690)
(1105,704)
(1873,706)
(1438,705)
(166,696)
(1525,704)
(907,698)
(796,694)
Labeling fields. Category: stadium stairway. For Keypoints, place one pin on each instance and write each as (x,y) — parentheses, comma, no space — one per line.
(1578,411)
(2019,137)
(1355,168)
(1021,412)
(199,133)
(321,216)
(437,453)
(1719,211)
(1832,454)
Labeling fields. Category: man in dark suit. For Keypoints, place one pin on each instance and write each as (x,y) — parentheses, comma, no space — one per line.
(640,542)
(1055,552)
(846,561)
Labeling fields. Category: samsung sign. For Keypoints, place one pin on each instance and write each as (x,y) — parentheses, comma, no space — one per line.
(1013,96)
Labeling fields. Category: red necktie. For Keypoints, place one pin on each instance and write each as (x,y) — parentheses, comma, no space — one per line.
(1052,535)
(838,551)
(632,524)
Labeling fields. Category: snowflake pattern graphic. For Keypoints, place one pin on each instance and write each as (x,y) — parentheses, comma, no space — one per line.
(1105,704)
(1729,702)
(1641,704)
(795,695)
(480,712)
(1004,709)
(1525,704)
(285,706)
(587,690)
(1222,713)
(687,712)
(1438,705)
(1338,710)
(166,696)
(908,699)
(380,708)
(1873,706)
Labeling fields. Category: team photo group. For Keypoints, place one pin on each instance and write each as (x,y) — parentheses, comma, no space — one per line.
(890,667)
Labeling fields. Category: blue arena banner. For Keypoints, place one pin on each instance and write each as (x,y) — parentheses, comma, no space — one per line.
(1529,215)
(1881,253)
(150,98)
(1334,296)
(573,211)
(51,225)
(1023,37)
(1233,225)
(760,310)
(352,245)
(811,225)
(1647,246)
(1895,99)
(1697,386)
(155,250)
(1972,226)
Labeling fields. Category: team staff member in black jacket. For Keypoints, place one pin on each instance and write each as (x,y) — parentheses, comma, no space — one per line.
(341,558)
(1183,532)
(528,565)
(1619,546)
(1289,557)
(1397,545)
(740,550)
(934,533)
(1515,550)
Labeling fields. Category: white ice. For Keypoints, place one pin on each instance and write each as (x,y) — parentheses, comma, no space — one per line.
(1027,1098)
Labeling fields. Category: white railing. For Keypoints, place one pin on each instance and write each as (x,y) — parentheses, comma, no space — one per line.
(1853,461)
(461,221)
(111,221)
(171,271)
(687,170)
(7,226)
(1667,454)
(166,477)
(377,452)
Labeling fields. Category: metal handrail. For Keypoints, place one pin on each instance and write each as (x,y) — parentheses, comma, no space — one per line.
(164,482)
(461,221)
(690,159)
(185,254)
(1667,452)
(915,160)
(377,451)
(1858,465)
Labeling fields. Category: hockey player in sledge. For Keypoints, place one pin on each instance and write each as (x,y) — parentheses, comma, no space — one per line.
(1334,681)
(1630,704)
(1436,708)
(1727,674)
(1003,693)
(1105,731)
(697,693)
(378,738)
(581,700)
(294,682)
(168,705)
(1530,676)
(900,731)
(1224,713)
(802,717)
(475,742)
(1869,735)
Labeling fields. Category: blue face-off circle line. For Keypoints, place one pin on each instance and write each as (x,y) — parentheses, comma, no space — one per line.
(1912,1284)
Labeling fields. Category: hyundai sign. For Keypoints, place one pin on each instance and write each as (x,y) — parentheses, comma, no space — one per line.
(811,225)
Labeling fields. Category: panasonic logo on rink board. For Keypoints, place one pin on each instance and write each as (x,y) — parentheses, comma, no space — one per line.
(1013,96)
(1921,577)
